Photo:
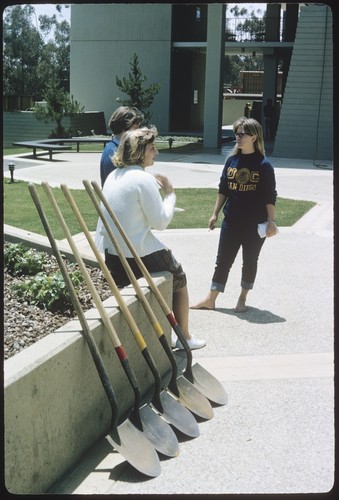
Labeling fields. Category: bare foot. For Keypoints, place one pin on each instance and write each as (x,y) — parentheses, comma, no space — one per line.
(241,306)
(204,304)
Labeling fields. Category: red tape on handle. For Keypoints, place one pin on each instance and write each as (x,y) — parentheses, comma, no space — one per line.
(121,353)
(172,320)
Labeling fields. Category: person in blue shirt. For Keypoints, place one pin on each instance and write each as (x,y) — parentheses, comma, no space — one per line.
(124,118)
(247,195)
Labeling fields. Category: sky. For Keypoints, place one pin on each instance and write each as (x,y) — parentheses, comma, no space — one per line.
(46,8)
(49,9)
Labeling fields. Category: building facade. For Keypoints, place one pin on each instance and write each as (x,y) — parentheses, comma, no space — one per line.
(305,128)
(182,47)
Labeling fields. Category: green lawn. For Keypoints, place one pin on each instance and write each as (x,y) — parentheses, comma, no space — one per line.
(198,204)
(20,211)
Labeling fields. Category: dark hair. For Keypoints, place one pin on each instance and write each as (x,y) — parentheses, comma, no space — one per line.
(131,150)
(124,118)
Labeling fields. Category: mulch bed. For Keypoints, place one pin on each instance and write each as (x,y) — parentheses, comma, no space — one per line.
(25,324)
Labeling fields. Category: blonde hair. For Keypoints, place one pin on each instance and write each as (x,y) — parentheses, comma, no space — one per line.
(251,127)
(131,150)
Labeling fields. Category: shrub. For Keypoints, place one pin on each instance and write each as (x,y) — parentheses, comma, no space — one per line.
(139,96)
(58,105)
(48,292)
(19,260)
(44,289)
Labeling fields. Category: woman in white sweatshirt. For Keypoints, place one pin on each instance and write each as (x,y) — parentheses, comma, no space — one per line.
(134,197)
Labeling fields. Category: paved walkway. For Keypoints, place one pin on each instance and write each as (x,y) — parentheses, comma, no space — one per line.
(276,434)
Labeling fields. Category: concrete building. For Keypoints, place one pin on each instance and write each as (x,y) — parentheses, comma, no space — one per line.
(306,120)
(182,47)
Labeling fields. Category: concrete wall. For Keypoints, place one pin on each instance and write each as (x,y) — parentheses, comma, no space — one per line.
(55,407)
(306,119)
(103,40)
(234,108)
(23,126)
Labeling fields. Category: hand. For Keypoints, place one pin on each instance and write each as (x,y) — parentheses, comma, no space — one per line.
(212,222)
(271,229)
(164,184)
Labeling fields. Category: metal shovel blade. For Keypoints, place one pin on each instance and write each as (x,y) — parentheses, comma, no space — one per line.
(177,415)
(193,399)
(208,385)
(158,432)
(136,449)
(203,380)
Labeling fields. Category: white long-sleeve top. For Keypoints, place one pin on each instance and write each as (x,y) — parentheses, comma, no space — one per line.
(134,196)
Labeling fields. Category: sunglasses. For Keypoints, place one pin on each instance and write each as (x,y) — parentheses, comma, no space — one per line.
(241,134)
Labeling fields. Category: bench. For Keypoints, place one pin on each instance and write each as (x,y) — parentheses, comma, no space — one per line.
(59,144)
(87,140)
(49,146)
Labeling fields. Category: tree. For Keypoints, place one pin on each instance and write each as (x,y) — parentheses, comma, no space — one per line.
(139,96)
(59,104)
(250,24)
(34,51)
(56,50)
(245,26)
(22,46)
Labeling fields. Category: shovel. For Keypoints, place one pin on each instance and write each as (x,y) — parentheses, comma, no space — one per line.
(125,438)
(172,411)
(204,381)
(188,393)
(149,422)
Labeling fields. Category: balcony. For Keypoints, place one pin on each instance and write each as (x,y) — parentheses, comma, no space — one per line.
(258,30)
(246,35)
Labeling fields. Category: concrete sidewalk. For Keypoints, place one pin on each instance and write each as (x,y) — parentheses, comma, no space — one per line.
(276,434)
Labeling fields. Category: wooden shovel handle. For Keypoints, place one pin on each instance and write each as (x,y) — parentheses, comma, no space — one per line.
(156,325)
(116,292)
(157,328)
(95,295)
(103,374)
(163,304)
(137,258)
(121,303)
(96,298)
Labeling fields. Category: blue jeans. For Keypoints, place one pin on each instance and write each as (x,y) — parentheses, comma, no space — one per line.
(230,241)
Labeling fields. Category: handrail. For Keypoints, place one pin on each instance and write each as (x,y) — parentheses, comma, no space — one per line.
(244,29)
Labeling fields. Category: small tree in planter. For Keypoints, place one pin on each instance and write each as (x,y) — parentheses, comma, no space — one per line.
(139,96)
(58,105)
